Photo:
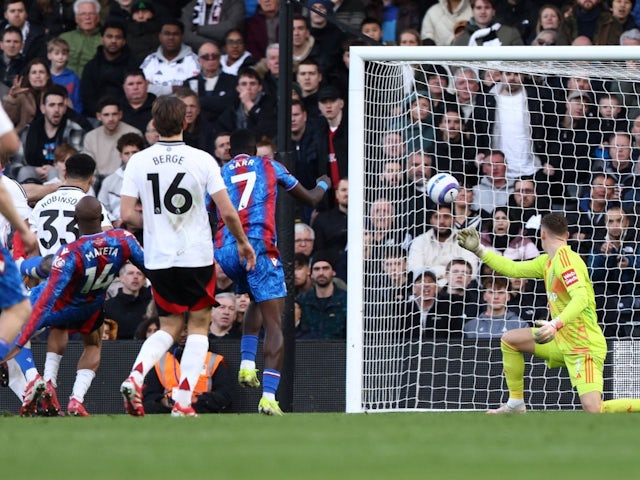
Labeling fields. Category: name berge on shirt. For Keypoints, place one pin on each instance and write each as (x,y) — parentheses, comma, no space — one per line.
(173,159)
(102,252)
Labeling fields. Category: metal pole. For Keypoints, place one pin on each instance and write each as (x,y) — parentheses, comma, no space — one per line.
(285,206)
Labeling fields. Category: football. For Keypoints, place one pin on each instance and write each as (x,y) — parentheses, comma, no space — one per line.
(443,188)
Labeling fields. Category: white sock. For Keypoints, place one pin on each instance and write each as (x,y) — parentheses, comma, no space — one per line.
(515,403)
(193,357)
(17,382)
(248,364)
(84,377)
(30,374)
(51,367)
(152,349)
(269,396)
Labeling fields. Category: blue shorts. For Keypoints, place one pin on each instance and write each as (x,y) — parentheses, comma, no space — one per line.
(83,318)
(265,281)
(12,289)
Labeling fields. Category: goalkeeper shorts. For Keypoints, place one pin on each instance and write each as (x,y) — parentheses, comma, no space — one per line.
(585,370)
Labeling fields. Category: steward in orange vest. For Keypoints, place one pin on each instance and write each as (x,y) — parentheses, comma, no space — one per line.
(212,393)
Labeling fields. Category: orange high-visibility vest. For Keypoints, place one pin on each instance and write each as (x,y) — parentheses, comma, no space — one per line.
(168,370)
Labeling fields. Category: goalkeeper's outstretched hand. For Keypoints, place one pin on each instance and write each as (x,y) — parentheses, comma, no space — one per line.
(547,330)
(470,240)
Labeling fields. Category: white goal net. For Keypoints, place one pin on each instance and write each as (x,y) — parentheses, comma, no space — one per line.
(526,131)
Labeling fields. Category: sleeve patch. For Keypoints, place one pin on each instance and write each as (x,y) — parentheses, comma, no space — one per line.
(570,277)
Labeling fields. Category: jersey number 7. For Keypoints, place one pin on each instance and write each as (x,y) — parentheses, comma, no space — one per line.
(250,179)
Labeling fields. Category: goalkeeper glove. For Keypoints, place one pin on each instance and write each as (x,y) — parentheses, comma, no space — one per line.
(470,240)
(547,330)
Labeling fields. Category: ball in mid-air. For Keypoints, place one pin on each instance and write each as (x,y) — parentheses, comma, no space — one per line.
(443,188)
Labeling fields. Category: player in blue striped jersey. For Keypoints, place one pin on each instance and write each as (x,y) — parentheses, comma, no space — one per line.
(252,183)
(72,298)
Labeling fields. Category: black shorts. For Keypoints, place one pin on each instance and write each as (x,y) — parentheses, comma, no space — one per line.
(178,290)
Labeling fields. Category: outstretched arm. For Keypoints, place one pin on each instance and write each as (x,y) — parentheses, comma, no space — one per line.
(469,239)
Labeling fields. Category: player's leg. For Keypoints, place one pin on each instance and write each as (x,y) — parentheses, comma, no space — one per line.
(267,285)
(619,405)
(24,359)
(157,344)
(513,344)
(12,319)
(39,387)
(193,357)
(16,307)
(251,325)
(16,381)
(227,260)
(586,373)
(172,292)
(56,344)
(86,372)
(273,351)
(152,349)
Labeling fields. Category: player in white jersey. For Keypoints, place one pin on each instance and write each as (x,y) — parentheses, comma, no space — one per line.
(52,218)
(14,303)
(11,373)
(171,179)
(19,197)
(53,221)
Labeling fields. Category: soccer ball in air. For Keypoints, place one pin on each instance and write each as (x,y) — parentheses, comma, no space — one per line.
(443,188)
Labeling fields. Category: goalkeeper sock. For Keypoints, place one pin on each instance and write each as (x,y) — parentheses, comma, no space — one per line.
(513,366)
(621,405)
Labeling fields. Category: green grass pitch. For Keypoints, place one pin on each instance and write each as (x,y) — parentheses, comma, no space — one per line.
(443,446)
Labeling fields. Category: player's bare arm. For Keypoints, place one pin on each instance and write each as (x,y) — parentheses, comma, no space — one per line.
(36,192)
(232,221)
(9,142)
(9,211)
(129,214)
(312,197)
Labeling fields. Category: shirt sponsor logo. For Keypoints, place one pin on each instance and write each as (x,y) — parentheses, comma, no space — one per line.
(58,263)
(570,277)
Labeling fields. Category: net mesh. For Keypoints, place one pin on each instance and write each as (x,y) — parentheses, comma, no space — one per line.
(523,139)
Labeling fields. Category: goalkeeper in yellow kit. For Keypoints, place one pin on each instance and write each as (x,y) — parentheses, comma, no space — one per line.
(572,338)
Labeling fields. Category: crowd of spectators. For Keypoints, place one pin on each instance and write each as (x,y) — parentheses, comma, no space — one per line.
(84,76)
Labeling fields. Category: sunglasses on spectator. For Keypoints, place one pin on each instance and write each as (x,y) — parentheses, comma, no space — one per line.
(235,42)
(209,56)
(540,41)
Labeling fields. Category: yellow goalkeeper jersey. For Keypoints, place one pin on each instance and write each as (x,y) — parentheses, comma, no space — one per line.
(569,293)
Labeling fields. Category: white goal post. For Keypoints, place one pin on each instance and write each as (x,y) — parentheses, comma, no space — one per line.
(392,369)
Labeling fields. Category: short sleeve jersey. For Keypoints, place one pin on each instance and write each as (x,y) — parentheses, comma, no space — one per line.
(252,183)
(52,219)
(566,279)
(81,273)
(6,125)
(19,198)
(171,180)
